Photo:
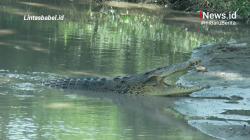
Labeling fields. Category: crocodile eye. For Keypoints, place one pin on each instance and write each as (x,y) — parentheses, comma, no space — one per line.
(158,68)
(88,78)
(195,62)
(146,73)
(116,78)
(125,77)
(198,62)
(103,79)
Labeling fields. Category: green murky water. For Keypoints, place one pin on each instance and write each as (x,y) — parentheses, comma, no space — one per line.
(92,39)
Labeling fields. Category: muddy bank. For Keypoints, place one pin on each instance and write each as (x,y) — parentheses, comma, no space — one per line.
(222,110)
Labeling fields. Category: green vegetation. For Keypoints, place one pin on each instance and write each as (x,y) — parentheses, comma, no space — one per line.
(90,31)
(241,6)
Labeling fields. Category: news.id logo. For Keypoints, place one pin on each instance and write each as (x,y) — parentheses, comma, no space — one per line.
(211,18)
(215,18)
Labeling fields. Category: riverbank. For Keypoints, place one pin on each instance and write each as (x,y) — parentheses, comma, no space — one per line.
(221,111)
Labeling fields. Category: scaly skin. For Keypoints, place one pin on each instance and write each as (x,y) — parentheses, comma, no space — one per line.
(156,82)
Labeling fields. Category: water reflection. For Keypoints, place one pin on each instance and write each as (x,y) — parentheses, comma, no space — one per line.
(52,115)
(91,40)
(21,129)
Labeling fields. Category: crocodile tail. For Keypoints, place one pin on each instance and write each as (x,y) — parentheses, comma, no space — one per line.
(75,83)
(67,83)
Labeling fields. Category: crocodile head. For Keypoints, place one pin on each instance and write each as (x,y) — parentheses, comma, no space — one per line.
(162,81)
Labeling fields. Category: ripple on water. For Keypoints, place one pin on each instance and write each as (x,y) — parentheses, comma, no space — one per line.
(21,128)
(24,86)
(2,93)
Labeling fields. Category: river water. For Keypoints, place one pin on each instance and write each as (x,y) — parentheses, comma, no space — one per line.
(98,40)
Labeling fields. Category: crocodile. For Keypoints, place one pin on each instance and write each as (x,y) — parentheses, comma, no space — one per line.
(159,81)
